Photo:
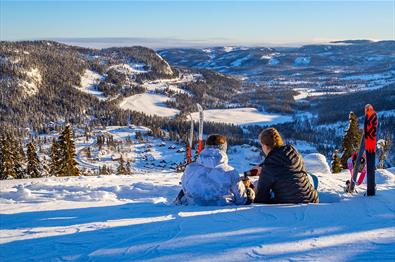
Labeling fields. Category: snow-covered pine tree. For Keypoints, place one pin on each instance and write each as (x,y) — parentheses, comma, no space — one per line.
(351,139)
(54,165)
(384,146)
(68,164)
(128,168)
(104,170)
(88,152)
(34,167)
(19,159)
(7,166)
(336,165)
(121,170)
(46,170)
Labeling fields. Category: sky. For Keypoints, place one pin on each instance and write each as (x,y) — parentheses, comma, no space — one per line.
(198,22)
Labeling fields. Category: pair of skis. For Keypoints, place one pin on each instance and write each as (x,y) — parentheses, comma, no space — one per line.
(368,144)
(200,137)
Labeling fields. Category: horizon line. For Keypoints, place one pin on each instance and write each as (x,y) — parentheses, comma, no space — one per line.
(168,42)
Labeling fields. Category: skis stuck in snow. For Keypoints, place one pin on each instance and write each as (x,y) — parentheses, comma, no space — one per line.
(190,141)
(367,144)
(201,119)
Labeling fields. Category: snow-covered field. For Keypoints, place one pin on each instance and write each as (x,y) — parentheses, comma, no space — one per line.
(243,116)
(132,218)
(149,103)
(154,104)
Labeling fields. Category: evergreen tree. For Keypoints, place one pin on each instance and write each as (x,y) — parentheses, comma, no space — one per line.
(33,163)
(7,165)
(121,170)
(88,152)
(46,170)
(19,159)
(68,164)
(351,139)
(336,165)
(384,146)
(54,165)
(128,168)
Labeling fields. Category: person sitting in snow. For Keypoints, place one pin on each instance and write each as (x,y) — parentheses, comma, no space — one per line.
(211,181)
(282,175)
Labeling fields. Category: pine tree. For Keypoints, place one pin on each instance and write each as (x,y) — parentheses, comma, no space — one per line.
(384,146)
(7,165)
(46,170)
(88,152)
(121,170)
(68,164)
(19,159)
(33,163)
(336,165)
(54,165)
(128,168)
(351,139)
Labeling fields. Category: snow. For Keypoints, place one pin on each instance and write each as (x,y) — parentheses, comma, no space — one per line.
(240,61)
(132,218)
(273,61)
(170,84)
(167,69)
(369,77)
(129,69)
(269,56)
(228,49)
(89,82)
(149,103)
(33,81)
(243,116)
(309,92)
(302,60)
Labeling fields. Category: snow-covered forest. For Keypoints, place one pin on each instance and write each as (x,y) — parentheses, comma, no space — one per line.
(93,144)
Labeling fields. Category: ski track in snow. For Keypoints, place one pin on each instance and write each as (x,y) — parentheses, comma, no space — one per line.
(131,218)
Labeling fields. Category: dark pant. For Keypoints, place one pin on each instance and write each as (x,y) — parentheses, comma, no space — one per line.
(371,167)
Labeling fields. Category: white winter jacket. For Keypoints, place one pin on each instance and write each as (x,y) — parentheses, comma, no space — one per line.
(211,181)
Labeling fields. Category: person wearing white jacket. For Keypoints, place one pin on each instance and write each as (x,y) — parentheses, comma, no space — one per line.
(211,181)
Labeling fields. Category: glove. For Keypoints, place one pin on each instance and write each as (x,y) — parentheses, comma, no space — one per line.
(250,196)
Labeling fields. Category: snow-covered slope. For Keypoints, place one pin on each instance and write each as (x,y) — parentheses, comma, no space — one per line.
(131,218)
(89,81)
(31,83)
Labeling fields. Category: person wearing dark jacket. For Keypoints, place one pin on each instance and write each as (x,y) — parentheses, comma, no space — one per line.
(282,175)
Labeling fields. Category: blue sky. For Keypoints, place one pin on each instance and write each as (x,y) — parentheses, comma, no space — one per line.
(242,22)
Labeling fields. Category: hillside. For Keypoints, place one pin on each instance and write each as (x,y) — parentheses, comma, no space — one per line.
(45,84)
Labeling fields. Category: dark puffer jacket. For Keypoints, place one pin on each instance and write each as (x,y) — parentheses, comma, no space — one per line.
(284,174)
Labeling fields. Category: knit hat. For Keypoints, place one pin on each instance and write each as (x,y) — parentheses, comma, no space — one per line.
(217,141)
